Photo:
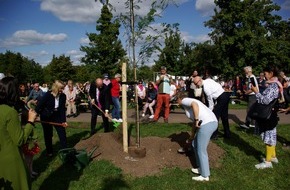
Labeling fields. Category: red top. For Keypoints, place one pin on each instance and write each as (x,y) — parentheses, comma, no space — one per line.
(115,90)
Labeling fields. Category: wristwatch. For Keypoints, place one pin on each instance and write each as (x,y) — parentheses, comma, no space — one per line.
(196,119)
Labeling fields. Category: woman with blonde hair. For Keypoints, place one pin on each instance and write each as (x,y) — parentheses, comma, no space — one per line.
(52,109)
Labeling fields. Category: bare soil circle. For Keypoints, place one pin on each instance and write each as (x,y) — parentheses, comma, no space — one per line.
(160,153)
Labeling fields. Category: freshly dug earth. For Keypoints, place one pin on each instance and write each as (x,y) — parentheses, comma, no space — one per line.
(160,153)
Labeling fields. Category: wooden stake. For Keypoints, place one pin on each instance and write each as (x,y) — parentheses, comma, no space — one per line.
(124,107)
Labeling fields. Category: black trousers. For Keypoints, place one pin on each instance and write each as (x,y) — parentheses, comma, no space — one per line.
(95,112)
(221,110)
(48,133)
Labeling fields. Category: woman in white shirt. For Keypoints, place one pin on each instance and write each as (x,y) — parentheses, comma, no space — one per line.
(204,125)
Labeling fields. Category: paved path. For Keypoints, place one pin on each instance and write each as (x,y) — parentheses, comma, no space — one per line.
(235,116)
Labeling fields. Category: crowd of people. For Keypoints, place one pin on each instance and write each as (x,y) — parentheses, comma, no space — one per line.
(204,100)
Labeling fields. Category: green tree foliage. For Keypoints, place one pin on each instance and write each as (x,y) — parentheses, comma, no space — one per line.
(145,73)
(105,49)
(32,70)
(176,55)
(60,68)
(24,69)
(247,33)
(137,28)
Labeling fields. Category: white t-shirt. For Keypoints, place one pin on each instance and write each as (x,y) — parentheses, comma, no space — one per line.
(205,114)
(213,90)
(172,89)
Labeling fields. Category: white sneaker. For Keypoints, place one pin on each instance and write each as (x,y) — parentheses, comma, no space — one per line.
(143,115)
(195,170)
(114,119)
(273,160)
(244,126)
(181,150)
(264,165)
(252,126)
(200,178)
(151,116)
(120,120)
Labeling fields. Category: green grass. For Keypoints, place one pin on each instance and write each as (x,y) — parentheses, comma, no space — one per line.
(241,105)
(237,170)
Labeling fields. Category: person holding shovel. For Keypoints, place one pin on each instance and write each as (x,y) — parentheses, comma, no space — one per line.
(100,99)
(53,112)
(204,125)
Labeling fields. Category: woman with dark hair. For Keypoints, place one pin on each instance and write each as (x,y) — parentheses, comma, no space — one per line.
(13,172)
(51,108)
(151,100)
(267,128)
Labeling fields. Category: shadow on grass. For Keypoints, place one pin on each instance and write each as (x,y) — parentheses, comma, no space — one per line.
(243,145)
(181,138)
(283,141)
(114,183)
(42,162)
(61,177)
(235,119)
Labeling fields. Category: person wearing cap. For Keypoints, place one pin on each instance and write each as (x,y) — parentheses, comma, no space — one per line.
(115,93)
(106,79)
(163,82)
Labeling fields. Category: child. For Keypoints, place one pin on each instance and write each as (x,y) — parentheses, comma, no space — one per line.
(30,148)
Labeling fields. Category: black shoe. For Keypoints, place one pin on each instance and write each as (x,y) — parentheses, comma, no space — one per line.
(75,115)
(68,116)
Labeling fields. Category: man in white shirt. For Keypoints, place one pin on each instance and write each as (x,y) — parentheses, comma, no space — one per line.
(218,102)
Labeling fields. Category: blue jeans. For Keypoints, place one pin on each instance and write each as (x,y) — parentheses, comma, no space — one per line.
(200,144)
(117,108)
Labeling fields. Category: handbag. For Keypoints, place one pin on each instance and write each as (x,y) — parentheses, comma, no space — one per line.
(261,111)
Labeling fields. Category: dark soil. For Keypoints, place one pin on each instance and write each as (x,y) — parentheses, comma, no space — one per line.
(160,153)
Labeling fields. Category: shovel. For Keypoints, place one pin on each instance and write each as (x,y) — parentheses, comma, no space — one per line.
(115,123)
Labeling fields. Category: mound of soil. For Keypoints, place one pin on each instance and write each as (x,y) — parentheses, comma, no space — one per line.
(160,153)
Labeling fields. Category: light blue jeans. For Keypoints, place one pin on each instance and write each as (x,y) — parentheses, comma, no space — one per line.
(200,144)
(117,108)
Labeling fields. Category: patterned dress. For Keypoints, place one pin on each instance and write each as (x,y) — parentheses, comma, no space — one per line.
(268,135)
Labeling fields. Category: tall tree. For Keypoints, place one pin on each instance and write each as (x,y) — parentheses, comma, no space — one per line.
(241,31)
(24,69)
(60,68)
(172,54)
(105,49)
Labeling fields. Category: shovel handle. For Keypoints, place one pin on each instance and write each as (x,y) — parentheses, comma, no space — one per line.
(52,123)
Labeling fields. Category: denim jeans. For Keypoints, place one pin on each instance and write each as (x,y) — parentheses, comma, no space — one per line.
(117,108)
(200,144)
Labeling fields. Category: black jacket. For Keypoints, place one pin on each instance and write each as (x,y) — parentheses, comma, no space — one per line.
(45,108)
(105,95)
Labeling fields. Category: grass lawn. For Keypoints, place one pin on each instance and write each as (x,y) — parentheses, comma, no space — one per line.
(237,171)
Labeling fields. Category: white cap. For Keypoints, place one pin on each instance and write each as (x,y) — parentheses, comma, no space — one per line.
(2,76)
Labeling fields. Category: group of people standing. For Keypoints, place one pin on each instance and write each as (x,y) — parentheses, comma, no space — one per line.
(217,104)
(204,102)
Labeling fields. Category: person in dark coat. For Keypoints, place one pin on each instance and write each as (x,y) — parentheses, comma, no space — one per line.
(13,173)
(100,96)
(52,109)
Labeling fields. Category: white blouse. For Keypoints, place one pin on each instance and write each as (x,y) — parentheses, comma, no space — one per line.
(205,114)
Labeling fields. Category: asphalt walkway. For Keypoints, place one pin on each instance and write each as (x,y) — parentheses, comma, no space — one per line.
(236,116)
